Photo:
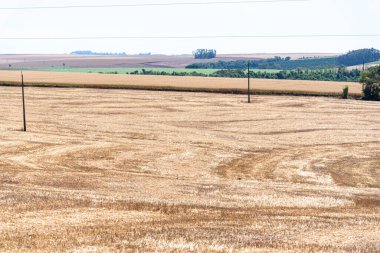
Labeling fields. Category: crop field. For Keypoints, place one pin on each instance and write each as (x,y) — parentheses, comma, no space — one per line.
(367,65)
(177,83)
(126,171)
(129,70)
(116,70)
(150,61)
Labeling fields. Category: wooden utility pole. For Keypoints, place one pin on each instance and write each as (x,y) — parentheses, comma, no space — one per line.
(249,85)
(23,101)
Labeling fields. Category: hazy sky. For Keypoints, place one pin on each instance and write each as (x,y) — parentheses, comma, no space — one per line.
(271,18)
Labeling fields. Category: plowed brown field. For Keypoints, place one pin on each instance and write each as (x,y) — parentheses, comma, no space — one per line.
(110,80)
(119,170)
(143,61)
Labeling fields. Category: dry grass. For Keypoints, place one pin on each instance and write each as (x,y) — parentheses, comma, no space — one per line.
(118,170)
(180,82)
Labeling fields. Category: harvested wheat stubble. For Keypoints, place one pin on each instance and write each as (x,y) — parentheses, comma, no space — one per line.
(109,80)
(118,170)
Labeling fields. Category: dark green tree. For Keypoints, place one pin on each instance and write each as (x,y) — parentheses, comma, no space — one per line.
(360,56)
(371,83)
(204,53)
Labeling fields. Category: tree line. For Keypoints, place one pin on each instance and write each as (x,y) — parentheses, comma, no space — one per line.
(340,75)
(271,63)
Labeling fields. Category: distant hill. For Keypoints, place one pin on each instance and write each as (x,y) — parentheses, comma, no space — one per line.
(129,61)
(360,56)
(88,52)
(352,58)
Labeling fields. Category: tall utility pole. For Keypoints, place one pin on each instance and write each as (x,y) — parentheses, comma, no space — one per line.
(249,85)
(23,101)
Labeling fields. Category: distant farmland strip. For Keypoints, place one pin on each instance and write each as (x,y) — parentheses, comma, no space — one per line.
(129,70)
(188,83)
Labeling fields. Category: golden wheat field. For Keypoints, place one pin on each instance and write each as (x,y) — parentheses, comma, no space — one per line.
(111,80)
(143,171)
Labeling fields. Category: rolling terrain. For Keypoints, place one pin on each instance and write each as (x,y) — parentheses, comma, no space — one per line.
(217,84)
(123,170)
(154,61)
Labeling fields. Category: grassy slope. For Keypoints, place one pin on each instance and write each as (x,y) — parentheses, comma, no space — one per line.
(367,65)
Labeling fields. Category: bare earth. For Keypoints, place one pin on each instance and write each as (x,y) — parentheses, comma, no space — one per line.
(118,170)
(104,80)
(152,61)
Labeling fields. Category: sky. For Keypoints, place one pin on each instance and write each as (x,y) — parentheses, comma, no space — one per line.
(260,18)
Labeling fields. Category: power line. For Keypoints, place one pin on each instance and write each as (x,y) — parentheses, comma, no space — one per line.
(23,101)
(148,4)
(192,37)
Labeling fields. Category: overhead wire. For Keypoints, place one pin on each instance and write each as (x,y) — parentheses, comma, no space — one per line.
(172,37)
(191,37)
(149,4)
